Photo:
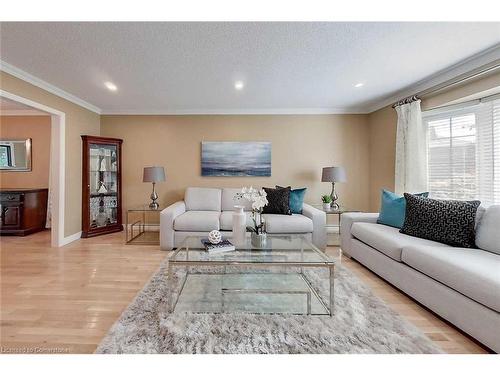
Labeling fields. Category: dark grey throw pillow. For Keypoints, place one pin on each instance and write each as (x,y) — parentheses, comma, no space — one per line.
(446,221)
(279,201)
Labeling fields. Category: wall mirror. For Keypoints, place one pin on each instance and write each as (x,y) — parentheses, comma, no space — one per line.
(15,155)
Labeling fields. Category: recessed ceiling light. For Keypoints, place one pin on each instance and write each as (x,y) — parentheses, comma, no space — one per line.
(110,86)
(359,85)
(238,85)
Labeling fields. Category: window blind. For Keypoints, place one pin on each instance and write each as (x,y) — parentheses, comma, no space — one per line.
(463,152)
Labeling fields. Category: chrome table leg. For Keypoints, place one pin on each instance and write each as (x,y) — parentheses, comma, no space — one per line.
(332,284)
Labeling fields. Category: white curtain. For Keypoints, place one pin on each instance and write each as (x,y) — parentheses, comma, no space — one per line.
(411,150)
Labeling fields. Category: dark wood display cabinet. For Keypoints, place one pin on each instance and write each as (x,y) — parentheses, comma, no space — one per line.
(102,186)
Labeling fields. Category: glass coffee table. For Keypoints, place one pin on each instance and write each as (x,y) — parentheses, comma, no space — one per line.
(287,275)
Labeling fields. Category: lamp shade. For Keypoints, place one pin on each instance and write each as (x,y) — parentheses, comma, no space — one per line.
(153,174)
(333,174)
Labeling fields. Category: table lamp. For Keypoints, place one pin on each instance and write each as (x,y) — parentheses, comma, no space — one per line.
(333,175)
(154,175)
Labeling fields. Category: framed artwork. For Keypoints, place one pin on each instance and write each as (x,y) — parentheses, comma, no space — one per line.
(236,159)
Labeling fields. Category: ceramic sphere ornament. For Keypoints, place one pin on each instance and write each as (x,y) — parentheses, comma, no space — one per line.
(215,237)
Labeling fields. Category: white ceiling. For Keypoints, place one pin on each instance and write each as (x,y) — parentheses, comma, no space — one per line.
(286,67)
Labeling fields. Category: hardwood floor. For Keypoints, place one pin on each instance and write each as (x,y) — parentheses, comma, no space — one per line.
(64,300)
(443,334)
(67,298)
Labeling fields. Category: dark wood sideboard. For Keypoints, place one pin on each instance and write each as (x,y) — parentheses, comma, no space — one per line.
(23,211)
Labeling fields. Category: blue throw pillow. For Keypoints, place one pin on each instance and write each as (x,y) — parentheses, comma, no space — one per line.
(393,209)
(296,200)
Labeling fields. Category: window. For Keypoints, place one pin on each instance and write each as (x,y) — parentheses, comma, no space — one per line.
(464,152)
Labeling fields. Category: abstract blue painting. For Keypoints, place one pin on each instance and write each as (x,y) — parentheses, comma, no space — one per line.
(236,159)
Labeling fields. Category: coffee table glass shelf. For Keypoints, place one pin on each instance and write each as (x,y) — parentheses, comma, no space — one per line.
(275,279)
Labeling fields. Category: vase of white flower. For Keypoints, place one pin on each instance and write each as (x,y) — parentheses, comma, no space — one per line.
(258,198)
(258,240)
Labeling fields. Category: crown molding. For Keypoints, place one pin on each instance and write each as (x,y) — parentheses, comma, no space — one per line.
(27,77)
(474,62)
(252,111)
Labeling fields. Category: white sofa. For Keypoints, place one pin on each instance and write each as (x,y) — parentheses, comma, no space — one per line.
(460,284)
(207,209)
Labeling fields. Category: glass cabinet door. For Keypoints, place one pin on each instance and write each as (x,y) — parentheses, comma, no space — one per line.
(103,181)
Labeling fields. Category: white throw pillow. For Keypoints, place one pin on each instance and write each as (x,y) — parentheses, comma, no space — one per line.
(488,230)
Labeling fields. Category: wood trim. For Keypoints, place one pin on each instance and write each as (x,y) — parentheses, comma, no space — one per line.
(23,190)
(102,230)
(101,140)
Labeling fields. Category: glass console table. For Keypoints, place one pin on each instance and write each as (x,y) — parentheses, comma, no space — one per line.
(143,225)
(332,226)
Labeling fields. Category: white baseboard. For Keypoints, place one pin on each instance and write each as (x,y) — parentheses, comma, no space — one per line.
(71,238)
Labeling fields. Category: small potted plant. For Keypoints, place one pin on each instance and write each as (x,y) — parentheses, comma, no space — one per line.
(327,201)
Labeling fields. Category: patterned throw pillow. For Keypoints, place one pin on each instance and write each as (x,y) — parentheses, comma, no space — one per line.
(296,199)
(279,201)
(449,222)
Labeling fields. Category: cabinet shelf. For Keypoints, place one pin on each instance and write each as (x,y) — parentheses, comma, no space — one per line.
(95,195)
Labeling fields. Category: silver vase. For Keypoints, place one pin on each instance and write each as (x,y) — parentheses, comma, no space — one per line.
(258,240)
(101,219)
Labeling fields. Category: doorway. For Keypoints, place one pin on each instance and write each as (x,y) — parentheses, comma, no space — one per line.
(56,179)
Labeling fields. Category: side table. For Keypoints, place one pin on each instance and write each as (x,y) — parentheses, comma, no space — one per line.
(142,225)
(333,229)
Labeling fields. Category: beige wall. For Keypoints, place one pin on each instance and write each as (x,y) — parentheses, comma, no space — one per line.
(301,146)
(78,121)
(38,129)
(383,123)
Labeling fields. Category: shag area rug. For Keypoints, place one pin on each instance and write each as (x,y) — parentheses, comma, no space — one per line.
(362,324)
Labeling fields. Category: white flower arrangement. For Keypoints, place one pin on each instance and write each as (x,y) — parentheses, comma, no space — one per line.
(258,198)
